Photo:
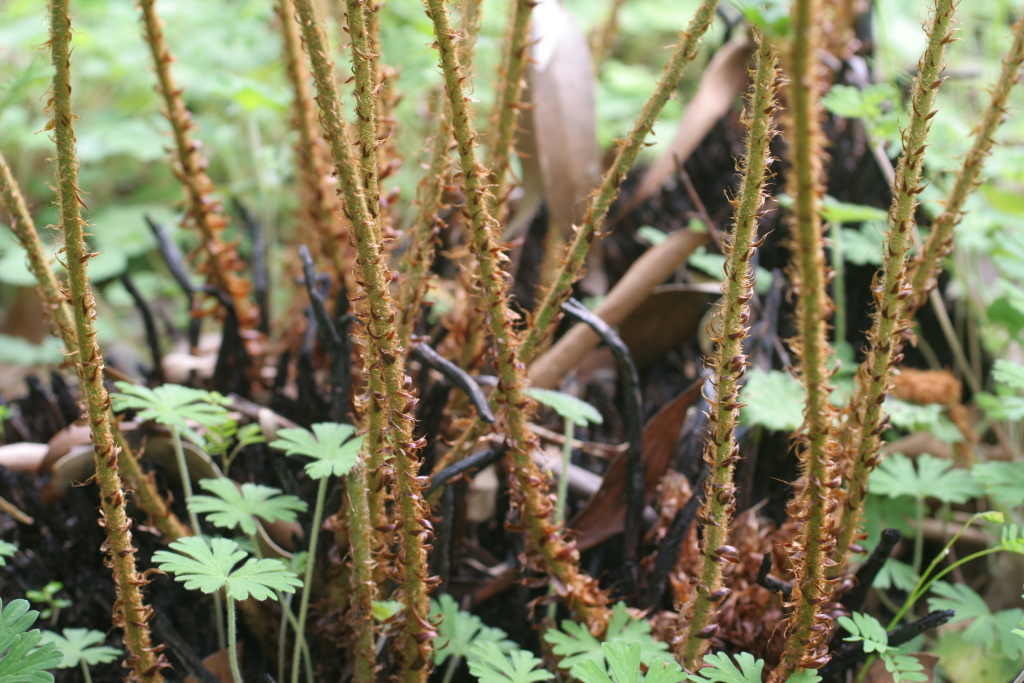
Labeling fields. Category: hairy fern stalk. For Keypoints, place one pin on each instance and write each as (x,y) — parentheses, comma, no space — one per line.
(729,365)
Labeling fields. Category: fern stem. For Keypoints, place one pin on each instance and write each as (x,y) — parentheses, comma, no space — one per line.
(721,450)
(529,486)
(307,582)
(131,613)
(812,506)
(390,405)
(928,264)
(221,262)
(364,72)
(363,585)
(510,88)
(548,312)
(890,327)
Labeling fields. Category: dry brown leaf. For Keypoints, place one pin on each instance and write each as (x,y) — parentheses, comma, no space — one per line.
(669,316)
(649,271)
(604,515)
(219,664)
(724,78)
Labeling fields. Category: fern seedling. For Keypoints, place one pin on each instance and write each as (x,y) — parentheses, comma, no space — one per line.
(24,658)
(82,647)
(574,643)
(624,659)
(334,452)
(48,595)
(175,407)
(457,634)
(220,436)
(490,665)
(210,567)
(574,413)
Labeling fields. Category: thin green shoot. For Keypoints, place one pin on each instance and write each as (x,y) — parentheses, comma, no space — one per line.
(48,595)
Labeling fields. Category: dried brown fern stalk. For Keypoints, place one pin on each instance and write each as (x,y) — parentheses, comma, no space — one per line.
(530,491)
(813,505)
(130,610)
(218,260)
(865,417)
(729,364)
(389,419)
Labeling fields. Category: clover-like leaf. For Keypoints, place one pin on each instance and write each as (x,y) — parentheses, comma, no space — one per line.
(459,631)
(173,405)
(24,658)
(230,508)
(79,645)
(568,407)
(211,566)
(490,665)
(329,444)
(574,642)
(931,478)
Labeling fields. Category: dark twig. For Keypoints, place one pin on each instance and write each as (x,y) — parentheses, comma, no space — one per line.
(179,271)
(774,585)
(152,336)
(334,343)
(630,380)
(668,549)
(180,650)
(477,461)
(442,556)
(232,357)
(849,655)
(855,597)
(260,273)
(457,376)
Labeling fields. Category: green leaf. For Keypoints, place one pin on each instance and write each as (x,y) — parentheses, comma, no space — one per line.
(230,508)
(863,246)
(652,236)
(385,609)
(574,642)
(1003,481)
(79,645)
(837,212)
(904,668)
(20,351)
(713,265)
(896,574)
(1009,373)
(24,658)
(210,566)
(329,444)
(1011,539)
(490,665)
(932,478)
(866,629)
(773,399)
(173,405)
(624,660)
(568,407)
(720,669)
(6,550)
(458,631)
(805,676)
(986,629)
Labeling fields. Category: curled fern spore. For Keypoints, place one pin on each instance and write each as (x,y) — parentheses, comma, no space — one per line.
(890,289)
(131,613)
(729,365)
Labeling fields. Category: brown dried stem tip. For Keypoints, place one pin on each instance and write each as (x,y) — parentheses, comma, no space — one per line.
(530,494)
(807,628)
(219,261)
(729,365)
(130,612)
(390,418)
(890,327)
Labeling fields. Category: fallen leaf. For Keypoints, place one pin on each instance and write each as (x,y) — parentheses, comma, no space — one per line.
(666,319)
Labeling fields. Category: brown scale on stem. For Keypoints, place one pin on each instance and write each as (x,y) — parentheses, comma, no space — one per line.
(813,505)
(729,365)
(865,418)
(130,611)
(219,261)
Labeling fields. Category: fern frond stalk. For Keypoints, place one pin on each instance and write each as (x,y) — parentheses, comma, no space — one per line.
(510,88)
(815,500)
(147,497)
(390,404)
(221,262)
(130,613)
(928,264)
(890,327)
(364,72)
(721,450)
(549,310)
(529,487)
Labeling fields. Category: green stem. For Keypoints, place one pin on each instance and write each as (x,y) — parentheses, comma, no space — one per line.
(453,665)
(563,479)
(307,583)
(549,310)
(287,617)
(131,612)
(186,480)
(891,326)
(835,231)
(86,676)
(361,542)
(814,502)
(729,365)
(364,72)
(236,675)
(918,533)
